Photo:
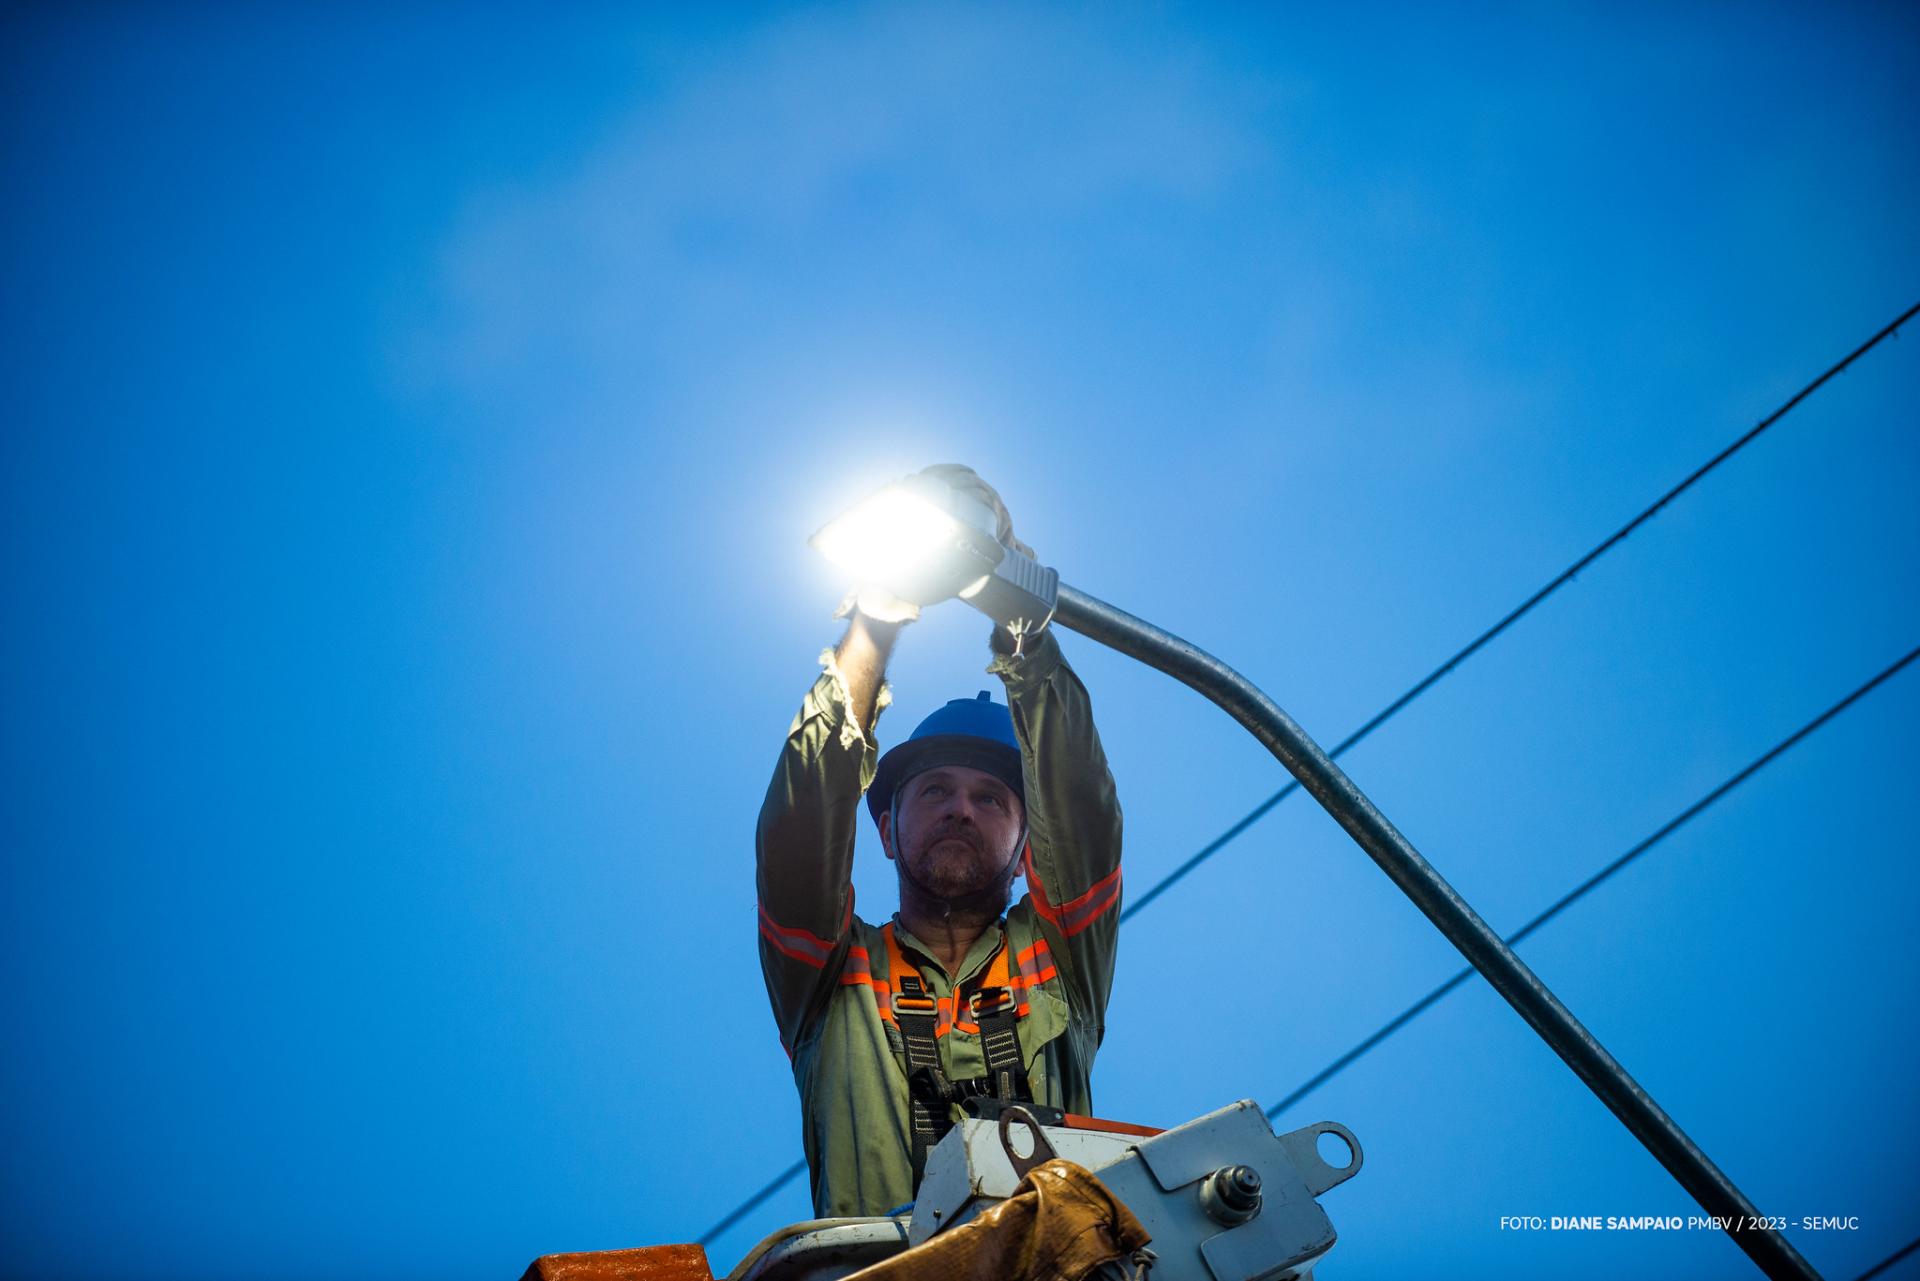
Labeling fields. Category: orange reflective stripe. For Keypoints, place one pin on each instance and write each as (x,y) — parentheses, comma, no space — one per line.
(795,942)
(859,973)
(1036,967)
(1072,917)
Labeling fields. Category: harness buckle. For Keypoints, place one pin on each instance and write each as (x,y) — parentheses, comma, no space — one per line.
(921,1006)
(990,1000)
(931,1085)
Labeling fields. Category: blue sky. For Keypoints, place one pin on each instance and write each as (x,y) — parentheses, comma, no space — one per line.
(415,423)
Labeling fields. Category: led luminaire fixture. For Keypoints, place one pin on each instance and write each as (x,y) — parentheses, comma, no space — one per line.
(926,542)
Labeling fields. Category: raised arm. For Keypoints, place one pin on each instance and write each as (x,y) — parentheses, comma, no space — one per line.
(803,846)
(1073,819)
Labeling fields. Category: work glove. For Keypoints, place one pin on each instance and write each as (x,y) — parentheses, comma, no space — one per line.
(967,481)
(883,606)
(879,604)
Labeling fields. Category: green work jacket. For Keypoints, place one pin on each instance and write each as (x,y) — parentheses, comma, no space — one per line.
(826,969)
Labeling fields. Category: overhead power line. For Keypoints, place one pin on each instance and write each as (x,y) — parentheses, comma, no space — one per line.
(1427,682)
(1518,612)
(748,1206)
(1889,1261)
(1666,829)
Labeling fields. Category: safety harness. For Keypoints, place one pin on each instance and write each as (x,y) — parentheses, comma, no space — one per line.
(991,1007)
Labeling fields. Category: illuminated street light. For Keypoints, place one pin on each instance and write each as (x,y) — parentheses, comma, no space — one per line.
(925,542)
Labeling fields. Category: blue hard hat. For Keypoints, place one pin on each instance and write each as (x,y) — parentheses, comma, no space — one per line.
(975,732)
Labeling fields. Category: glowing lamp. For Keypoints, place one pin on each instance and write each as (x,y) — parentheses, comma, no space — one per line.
(926,542)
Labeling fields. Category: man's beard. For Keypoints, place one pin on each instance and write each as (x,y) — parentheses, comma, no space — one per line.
(954,863)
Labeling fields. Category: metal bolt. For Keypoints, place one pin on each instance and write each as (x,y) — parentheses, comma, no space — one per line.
(1231,1194)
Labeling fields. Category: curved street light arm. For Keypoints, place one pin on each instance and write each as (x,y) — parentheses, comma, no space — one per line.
(1485,950)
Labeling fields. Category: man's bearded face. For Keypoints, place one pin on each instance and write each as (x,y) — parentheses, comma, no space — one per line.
(959,830)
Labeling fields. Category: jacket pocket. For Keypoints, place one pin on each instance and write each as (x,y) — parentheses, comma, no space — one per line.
(1046,1022)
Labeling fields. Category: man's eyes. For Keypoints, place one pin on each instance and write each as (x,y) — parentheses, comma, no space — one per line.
(936,790)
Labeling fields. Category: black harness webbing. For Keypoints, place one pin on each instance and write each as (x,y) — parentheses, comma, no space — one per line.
(931,1094)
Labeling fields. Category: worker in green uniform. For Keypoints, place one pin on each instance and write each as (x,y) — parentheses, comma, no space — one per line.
(892,1028)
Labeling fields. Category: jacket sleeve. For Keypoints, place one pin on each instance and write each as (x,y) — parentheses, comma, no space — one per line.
(803,848)
(1073,821)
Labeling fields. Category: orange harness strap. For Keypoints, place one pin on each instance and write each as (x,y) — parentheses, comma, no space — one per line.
(974,999)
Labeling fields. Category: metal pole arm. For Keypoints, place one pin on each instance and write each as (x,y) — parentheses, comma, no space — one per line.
(1486,951)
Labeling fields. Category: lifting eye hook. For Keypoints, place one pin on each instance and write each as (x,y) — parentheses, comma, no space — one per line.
(1042,1150)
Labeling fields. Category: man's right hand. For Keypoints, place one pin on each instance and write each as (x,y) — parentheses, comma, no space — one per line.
(879,604)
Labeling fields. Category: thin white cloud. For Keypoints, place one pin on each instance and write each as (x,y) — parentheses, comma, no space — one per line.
(885,131)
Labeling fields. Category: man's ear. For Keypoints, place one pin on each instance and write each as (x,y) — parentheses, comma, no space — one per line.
(886,833)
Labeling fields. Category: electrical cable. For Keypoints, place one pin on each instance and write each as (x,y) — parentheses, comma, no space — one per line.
(747,1206)
(1422,686)
(1666,829)
(1519,611)
(1889,1261)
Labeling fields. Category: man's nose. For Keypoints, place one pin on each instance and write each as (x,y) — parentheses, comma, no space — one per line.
(959,806)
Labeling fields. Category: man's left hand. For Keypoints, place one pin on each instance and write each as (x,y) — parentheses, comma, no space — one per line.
(968,481)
